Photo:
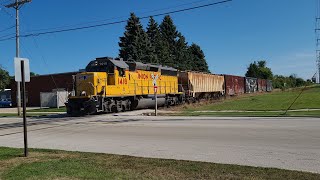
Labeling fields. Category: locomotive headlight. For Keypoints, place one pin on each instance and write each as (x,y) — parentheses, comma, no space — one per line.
(83,93)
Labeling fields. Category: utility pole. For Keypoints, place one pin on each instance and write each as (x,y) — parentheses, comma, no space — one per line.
(317,32)
(17,5)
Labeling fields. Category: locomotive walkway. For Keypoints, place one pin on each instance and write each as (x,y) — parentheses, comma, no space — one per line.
(289,143)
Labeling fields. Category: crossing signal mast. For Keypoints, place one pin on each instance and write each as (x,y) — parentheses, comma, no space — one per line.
(317,31)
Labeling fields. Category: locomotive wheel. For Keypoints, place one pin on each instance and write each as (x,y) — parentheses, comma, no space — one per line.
(114,109)
(123,108)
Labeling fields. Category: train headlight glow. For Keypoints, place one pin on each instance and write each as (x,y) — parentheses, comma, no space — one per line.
(83,93)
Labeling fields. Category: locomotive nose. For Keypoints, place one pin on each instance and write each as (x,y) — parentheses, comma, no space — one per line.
(85,84)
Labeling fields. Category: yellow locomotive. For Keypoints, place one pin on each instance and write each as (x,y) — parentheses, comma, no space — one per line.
(113,85)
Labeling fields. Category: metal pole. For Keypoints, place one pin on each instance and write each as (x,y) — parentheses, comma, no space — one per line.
(24,110)
(318,80)
(156,101)
(18,55)
(57,99)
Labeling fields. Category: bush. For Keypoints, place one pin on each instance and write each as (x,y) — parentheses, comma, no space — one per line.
(283,82)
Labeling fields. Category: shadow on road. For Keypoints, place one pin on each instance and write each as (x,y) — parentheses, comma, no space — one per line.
(39,121)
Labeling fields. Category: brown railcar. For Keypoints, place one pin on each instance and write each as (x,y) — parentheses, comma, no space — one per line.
(262,85)
(234,85)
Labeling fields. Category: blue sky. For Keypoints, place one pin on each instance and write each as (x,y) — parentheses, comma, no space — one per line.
(232,35)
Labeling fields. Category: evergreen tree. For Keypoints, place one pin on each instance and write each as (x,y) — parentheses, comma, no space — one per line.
(198,59)
(134,45)
(182,54)
(161,44)
(169,35)
(153,33)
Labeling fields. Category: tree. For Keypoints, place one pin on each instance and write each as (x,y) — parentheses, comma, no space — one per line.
(183,56)
(300,82)
(161,44)
(292,81)
(198,59)
(134,45)
(33,74)
(259,70)
(4,79)
(153,33)
(169,35)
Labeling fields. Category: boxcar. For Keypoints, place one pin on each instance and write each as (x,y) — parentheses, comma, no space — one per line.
(251,85)
(201,85)
(234,85)
(262,85)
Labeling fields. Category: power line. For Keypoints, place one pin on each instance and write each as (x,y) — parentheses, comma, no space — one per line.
(117,22)
(8,28)
(4,10)
(7,35)
(119,17)
(156,10)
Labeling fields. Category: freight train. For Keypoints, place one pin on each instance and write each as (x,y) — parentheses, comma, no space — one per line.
(113,85)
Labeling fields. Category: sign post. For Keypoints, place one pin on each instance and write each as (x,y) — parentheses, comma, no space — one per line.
(156,100)
(22,74)
(155,87)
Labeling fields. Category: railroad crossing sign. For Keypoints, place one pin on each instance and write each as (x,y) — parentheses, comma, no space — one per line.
(154,79)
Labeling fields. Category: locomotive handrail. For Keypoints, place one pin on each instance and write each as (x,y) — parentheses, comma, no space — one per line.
(94,88)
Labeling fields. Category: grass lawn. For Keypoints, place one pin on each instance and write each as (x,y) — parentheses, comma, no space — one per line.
(53,164)
(62,109)
(8,115)
(276,101)
(248,114)
(28,114)
(36,112)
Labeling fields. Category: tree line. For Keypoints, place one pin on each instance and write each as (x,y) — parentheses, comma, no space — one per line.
(4,79)
(160,44)
(285,82)
(260,70)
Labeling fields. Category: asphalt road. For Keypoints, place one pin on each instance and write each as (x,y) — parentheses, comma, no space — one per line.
(289,143)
